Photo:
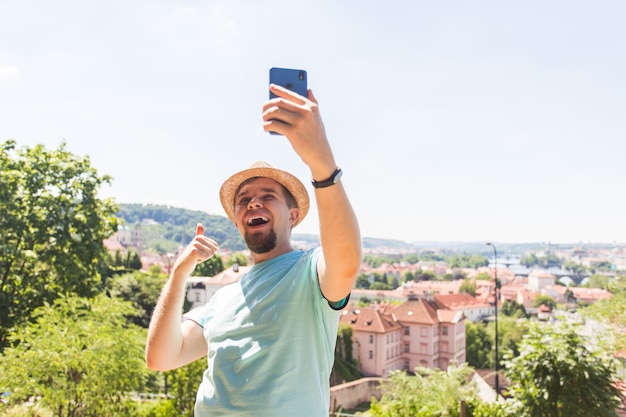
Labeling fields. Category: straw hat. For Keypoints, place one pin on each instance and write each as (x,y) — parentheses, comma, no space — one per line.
(263,169)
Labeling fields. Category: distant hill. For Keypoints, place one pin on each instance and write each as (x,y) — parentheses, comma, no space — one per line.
(165,228)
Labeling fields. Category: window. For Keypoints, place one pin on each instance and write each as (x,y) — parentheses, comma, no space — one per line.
(371,338)
(406,348)
(424,332)
(406,331)
(444,331)
(371,355)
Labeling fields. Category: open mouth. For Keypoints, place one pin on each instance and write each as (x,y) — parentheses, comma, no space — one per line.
(258,221)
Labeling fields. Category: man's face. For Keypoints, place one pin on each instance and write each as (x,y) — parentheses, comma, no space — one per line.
(262,214)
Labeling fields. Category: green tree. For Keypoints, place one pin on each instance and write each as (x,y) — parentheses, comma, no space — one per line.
(345,366)
(362,281)
(559,374)
(545,300)
(612,311)
(574,267)
(529,260)
(133,261)
(53,225)
(209,268)
(511,331)
(142,290)
(238,258)
(425,276)
(380,286)
(483,276)
(183,385)
(512,308)
(467,261)
(430,393)
(78,358)
(598,281)
(479,346)
(468,287)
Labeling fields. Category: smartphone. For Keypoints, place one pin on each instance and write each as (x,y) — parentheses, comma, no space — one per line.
(292,79)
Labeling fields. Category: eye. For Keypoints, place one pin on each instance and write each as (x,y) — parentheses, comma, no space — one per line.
(268,197)
(244,201)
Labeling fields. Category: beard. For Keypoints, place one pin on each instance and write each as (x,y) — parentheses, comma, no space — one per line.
(261,242)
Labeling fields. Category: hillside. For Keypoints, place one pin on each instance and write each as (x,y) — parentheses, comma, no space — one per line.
(164,228)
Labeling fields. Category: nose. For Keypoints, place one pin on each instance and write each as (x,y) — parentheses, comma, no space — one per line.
(254,203)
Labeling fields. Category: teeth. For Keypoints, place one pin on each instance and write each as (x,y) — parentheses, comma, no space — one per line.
(256,220)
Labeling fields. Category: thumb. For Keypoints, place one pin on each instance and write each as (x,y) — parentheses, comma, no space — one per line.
(199,229)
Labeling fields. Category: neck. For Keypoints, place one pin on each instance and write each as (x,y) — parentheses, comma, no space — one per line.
(277,251)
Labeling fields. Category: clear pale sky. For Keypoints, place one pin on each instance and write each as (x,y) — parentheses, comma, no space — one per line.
(458,120)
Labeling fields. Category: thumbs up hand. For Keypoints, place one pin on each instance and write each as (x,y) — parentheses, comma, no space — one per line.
(199,250)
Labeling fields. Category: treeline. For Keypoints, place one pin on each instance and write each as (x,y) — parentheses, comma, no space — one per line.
(453,261)
(177,225)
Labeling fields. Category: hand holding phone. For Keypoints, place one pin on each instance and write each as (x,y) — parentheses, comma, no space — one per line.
(291,79)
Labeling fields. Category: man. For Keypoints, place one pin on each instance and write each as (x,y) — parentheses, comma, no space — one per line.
(270,338)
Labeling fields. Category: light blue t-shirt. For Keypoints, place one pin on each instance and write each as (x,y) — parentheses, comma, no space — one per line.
(271,341)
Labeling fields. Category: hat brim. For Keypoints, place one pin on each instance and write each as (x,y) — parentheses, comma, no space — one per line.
(262,169)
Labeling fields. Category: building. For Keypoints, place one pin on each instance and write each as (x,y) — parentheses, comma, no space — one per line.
(433,337)
(471,307)
(418,332)
(538,280)
(377,340)
(201,289)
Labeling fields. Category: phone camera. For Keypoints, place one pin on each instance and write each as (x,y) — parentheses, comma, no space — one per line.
(301,75)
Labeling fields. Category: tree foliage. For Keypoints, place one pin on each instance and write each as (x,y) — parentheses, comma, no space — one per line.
(545,261)
(468,287)
(79,358)
(479,346)
(467,261)
(559,374)
(209,268)
(178,224)
(183,385)
(53,225)
(345,367)
(612,311)
(142,290)
(545,300)
(429,393)
(512,308)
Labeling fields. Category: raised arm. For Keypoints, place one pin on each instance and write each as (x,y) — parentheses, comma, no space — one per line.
(172,343)
(298,119)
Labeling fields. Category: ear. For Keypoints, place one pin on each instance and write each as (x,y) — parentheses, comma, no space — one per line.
(294,216)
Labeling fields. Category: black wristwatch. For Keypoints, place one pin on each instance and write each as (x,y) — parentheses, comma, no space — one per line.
(333,179)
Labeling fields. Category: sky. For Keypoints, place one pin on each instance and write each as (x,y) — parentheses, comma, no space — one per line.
(452,121)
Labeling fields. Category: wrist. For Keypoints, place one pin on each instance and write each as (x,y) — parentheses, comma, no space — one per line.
(328,181)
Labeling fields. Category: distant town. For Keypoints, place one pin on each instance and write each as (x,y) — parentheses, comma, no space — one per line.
(411,304)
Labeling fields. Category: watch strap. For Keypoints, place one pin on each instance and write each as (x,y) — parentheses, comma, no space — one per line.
(335,176)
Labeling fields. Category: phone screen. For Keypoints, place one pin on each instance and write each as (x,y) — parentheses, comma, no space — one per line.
(292,79)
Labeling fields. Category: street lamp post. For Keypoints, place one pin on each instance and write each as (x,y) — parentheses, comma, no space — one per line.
(495,269)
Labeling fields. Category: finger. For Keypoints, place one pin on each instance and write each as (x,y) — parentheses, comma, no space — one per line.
(275,126)
(312,97)
(286,93)
(199,229)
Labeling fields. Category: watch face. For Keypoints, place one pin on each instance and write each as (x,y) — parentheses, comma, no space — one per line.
(337,175)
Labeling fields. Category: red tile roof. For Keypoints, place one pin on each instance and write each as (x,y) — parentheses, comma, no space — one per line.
(368,319)
(418,311)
